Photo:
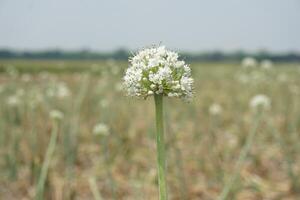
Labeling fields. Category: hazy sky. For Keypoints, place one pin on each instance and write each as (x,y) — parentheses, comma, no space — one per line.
(193,25)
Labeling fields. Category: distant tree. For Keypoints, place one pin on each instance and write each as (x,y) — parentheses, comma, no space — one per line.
(123,54)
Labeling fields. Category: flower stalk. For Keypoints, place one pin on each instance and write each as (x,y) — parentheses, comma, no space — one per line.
(158,72)
(44,172)
(161,158)
(242,157)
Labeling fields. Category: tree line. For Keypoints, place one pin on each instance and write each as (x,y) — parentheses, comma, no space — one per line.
(123,54)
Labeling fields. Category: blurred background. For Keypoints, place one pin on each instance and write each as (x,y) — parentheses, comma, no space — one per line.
(68,131)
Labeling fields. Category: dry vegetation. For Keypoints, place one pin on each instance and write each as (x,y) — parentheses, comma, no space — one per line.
(202,148)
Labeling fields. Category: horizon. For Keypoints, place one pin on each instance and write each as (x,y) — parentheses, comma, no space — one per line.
(65,50)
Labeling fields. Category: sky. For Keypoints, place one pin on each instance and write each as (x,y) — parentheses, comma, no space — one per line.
(189,25)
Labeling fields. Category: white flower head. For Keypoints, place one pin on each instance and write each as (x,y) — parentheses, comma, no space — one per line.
(56,115)
(260,101)
(63,90)
(157,70)
(59,90)
(249,62)
(101,129)
(266,64)
(215,109)
(13,100)
(35,97)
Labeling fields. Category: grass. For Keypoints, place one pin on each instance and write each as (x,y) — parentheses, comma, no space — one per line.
(202,151)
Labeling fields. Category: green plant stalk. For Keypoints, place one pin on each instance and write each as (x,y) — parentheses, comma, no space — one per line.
(46,163)
(12,156)
(242,157)
(108,168)
(160,147)
(72,137)
(33,146)
(288,157)
(94,189)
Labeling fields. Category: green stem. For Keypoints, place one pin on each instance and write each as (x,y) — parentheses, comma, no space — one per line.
(242,157)
(288,156)
(46,163)
(108,168)
(94,189)
(160,147)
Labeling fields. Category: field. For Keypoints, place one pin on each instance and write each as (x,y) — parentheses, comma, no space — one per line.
(117,159)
